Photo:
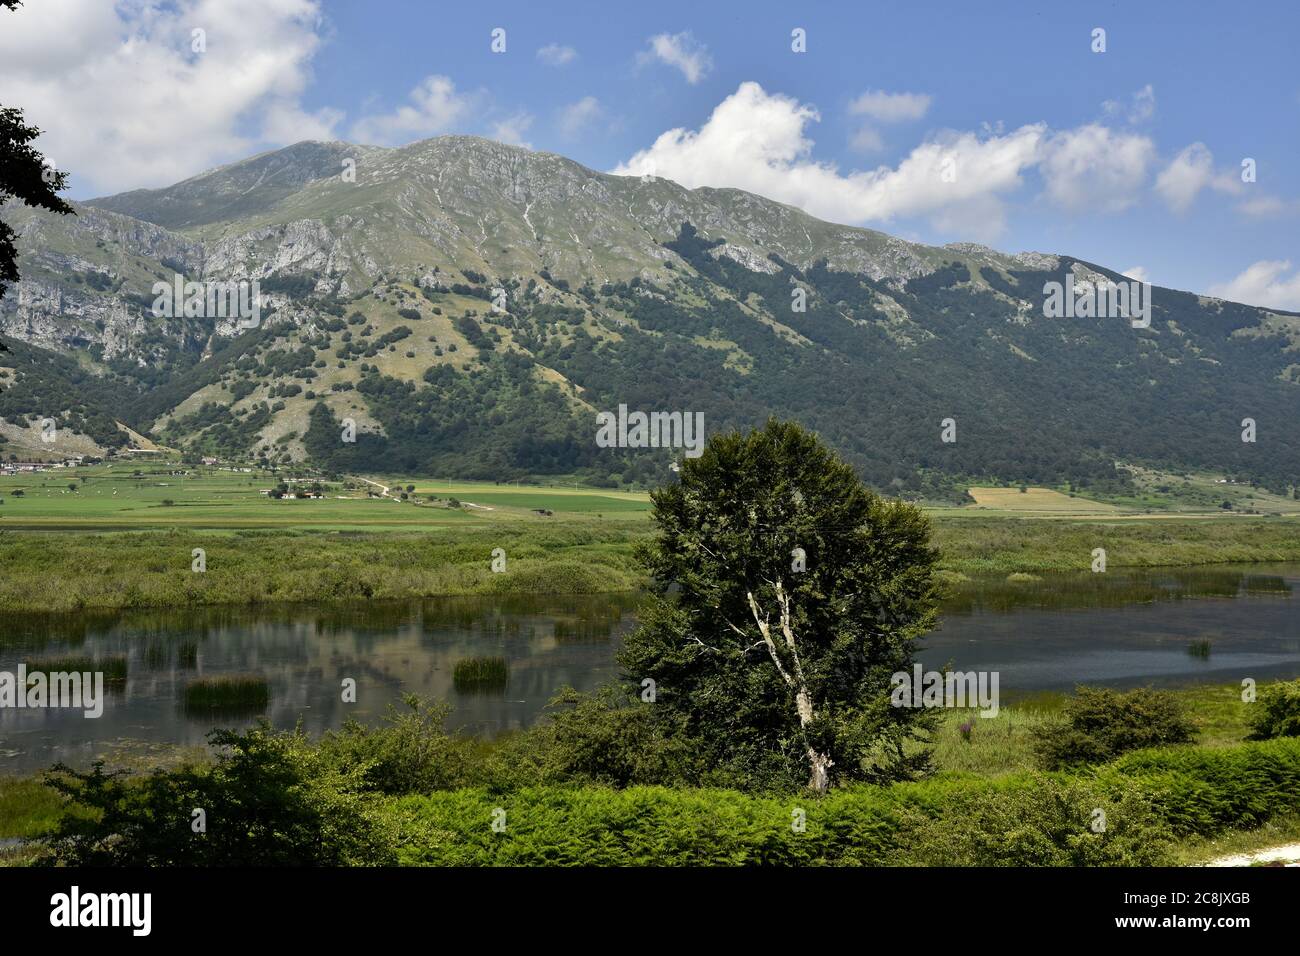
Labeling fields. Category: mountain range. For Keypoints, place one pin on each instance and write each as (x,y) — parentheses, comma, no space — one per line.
(471,307)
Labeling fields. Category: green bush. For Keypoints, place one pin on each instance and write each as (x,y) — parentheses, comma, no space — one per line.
(1029,821)
(1033,819)
(411,752)
(269,799)
(1099,724)
(1201,790)
(1043,820)
(607,738)
(1278,712)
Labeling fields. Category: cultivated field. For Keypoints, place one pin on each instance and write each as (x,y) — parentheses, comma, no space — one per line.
(1036,501)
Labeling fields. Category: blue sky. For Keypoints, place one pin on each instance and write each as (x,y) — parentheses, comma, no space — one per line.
(1130,158)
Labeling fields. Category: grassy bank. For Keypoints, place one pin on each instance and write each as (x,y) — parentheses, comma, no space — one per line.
(63,571)
(987,803)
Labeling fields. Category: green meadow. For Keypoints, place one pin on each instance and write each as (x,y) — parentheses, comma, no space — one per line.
(124,535)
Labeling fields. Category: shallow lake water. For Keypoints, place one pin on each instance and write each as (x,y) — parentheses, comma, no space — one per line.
(1119,629)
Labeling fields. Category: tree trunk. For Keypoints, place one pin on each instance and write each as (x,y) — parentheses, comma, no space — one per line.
(821,764)
(820,781)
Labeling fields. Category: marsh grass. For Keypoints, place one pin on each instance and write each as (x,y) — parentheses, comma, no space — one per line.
(228,695)
(101,570)
(996,745)
(1200,648)
(476,674)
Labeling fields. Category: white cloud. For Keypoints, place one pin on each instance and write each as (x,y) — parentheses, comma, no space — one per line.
(125,102)
(434,106)
(1191,171)
(1137,108)
(1264,206)
(755,141)
(883,107)
(1263,283)
(867,140)
(512,129)
(553,54)
(1137,273)
(890,107)
(1094,168)
(679,50)
(575,117)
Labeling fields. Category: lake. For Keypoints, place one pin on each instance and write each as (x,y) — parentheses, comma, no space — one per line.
(1119,629)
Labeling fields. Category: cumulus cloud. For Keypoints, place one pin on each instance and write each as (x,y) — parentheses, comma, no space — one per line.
(1137,273)
(576,117)
(1096,169)
(1265,283)
(755,141)
(1191,171)
(116,86)
(679,50)
(434,106)
(553,54)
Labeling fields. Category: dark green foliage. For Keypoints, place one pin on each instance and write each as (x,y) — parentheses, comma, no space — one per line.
(295,287)
(729,530)
(25,176)
(1099,724)
(1277,712)
(473,332)
(45,384)
(269,800)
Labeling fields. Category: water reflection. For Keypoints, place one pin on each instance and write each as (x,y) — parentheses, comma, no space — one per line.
(1047,633)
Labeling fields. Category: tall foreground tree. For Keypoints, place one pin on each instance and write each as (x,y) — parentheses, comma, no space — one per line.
(24,175)
(786,595)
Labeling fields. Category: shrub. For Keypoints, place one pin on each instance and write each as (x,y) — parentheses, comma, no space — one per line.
(269,799)
(608,738)
(1100,724)
(1278,713)
(1043,820)
(411,752)
(1201,790)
